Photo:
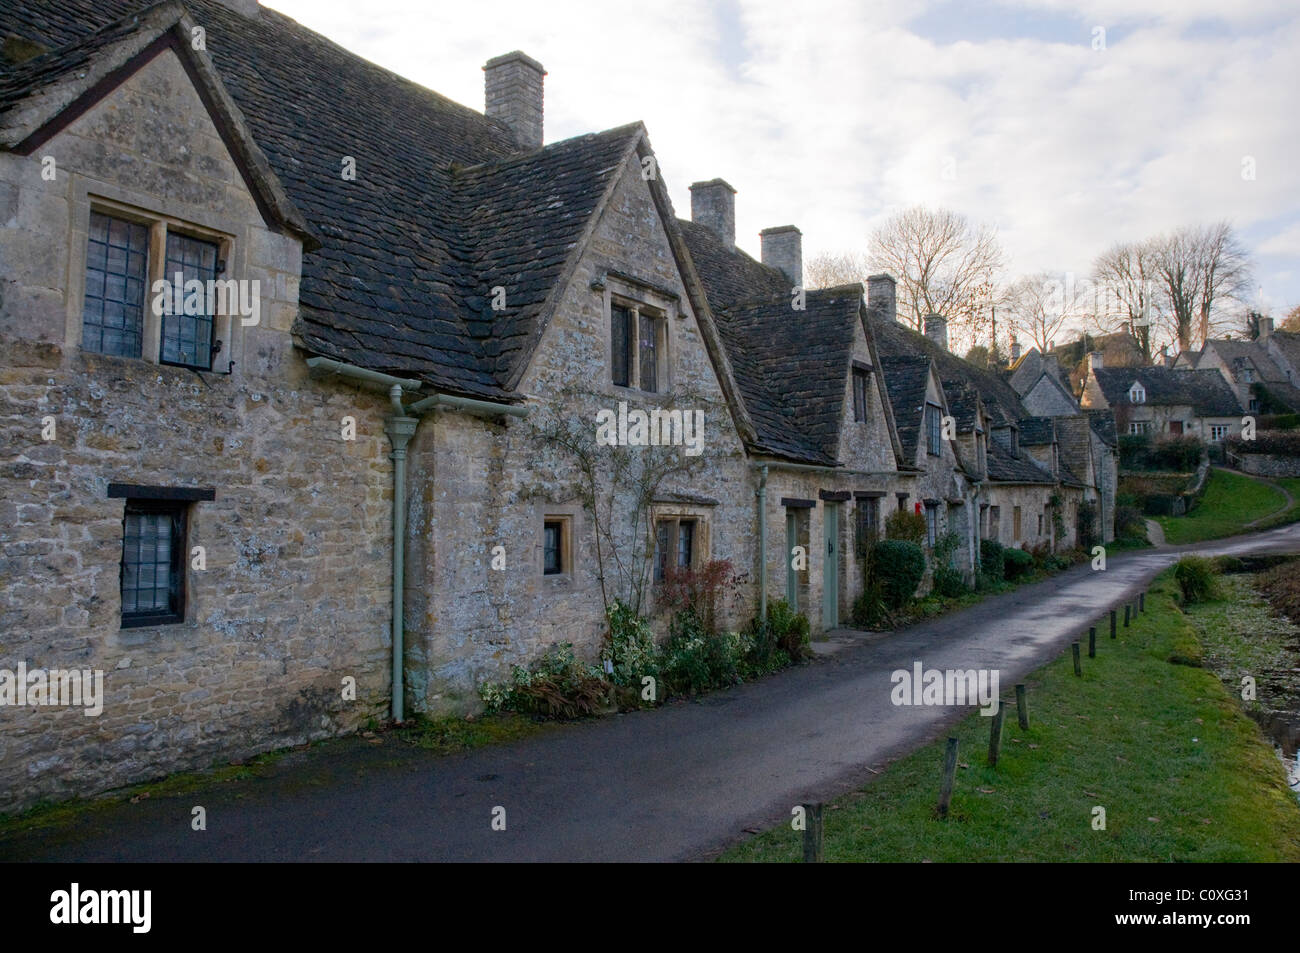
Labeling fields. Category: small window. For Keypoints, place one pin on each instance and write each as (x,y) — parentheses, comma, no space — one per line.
(934,424)
(675,545)
(187,338)
(1015,524)
(1040,524)
(648,328)
(932,524)
(1139,427)
(620,345)
(553,547)
(861,393)
(153,567)
(1219,432)
(868,523)
(995,521)
(112,314)
(1137,394)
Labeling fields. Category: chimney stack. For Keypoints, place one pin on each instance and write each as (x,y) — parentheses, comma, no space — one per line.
(713,205)
(513,94)
(783,249)
(882,295)
(1265,328)
(936,329)
(1015,350)
(1095,361)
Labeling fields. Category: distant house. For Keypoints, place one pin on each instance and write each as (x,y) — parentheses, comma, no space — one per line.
(1042,385)
(1120,349)
(1162,401)
(1258,371)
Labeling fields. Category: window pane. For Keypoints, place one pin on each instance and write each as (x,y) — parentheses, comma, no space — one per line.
(620,321)
(662,532)
(553,557)
(187,338)
(685,543)
(649,331)
(147,563)
(116,252)
(859,395)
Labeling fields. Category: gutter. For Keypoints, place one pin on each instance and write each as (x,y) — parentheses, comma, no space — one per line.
(400,426)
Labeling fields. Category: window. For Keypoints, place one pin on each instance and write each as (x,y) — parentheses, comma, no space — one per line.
(637,345)
(1139,427)
(995,521)
(620,345)
(112,315)
(868,523)
(1254,404)
(934,429)
(1015,524)
(187,338)
(1137,394)
(1248,375)
(153,569)
(552,547)
(1219,432)
(1040,524)
(861,394)
(675,545)
(932,524)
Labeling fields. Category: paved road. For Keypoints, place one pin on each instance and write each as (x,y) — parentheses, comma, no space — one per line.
(672,784)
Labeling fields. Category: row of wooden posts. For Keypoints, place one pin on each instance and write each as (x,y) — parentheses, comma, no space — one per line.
(814,827)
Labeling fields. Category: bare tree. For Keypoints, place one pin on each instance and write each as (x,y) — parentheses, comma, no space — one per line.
(943,265)
(1127,294)
(1201,270)
(1038,308)
(831,269)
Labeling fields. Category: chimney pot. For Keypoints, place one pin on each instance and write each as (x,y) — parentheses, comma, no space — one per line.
(783,249)
(713,205)
(1015,350)
(936,329)
(882,294)
(512,92)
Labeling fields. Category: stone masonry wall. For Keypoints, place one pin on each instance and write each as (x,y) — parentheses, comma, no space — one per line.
(295,593)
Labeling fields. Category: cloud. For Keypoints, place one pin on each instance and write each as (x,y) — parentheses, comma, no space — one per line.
(830,114)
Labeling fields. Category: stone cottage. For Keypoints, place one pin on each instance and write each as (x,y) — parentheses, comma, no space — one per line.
(1163,401)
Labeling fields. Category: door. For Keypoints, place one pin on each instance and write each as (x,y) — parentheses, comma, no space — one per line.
(1176,428)
(791,576)
(831,569)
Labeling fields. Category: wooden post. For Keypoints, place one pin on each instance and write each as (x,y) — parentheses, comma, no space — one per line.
(1074,650)
(995,734)
(1022,707)
(1142,601)
(949,774)
(1126,610)
(1112,623)
(812,833)
(1092,641)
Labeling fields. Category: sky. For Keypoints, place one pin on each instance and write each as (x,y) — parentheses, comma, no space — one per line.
(1065,126)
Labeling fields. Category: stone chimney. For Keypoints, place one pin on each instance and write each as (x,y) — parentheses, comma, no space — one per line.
(1265,328)
(713,205)
(245,8)
(783,249)
(513,94)
(936,329)
(882,294)
(1095,361)
(1015,350)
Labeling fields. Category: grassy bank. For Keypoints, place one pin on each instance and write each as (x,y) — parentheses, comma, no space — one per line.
(1232,501)
(1182,773)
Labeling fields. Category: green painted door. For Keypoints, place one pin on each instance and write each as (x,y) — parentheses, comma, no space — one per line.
(791,577)
(831,569)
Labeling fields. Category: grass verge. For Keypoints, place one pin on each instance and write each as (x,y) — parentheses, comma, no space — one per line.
(1181,772)
(1231,501)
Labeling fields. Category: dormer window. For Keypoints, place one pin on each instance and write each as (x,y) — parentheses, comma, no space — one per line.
(1137,394)
(1248,375)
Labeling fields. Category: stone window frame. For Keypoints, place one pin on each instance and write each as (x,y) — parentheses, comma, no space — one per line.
(138,208)
(664,309)
(569,517)
(701,542)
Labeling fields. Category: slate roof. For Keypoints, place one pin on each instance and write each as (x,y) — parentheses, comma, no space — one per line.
(442,208)
(1037,431)
(730,275)
(906,379)
(1103,425)
(1240,354)
(963,404)
(1206,392)
(1074,437)
(1004,468)
(1288,342)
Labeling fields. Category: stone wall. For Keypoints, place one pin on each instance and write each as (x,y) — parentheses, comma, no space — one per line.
(1269,464)
(294,595)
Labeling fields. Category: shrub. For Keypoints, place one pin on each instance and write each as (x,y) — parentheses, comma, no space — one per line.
(906,526)
(1281,587)
(629,646)
(869,608)
(556,686)
(1195,576)
(1283,443)
(695,589)
(1017,563)
(1129,523)
(789,628)
(897,567)
(1181,454)
(948,579)
(992,560)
